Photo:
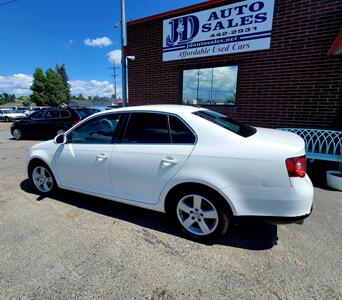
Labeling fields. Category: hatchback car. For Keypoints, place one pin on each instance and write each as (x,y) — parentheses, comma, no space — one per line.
(45,123)
(202,168)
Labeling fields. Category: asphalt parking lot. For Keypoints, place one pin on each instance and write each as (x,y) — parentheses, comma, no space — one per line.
(76,246)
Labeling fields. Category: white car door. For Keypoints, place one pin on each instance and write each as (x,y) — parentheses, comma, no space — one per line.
(83,163)
(149,155)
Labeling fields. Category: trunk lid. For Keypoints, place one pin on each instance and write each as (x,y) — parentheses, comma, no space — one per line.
(283,143)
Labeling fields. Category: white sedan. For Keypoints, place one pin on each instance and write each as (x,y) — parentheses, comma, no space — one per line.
(8,115)
(202,168)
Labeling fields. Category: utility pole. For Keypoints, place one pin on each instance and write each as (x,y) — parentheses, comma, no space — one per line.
(114,78)
(123,56)
(212,84)
(198,81)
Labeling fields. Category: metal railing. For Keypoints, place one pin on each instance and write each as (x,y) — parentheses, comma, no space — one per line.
(320,144)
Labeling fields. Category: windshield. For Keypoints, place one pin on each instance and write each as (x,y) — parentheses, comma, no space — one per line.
(226,122)
(9,111)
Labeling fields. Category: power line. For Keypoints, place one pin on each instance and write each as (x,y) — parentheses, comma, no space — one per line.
(8,2)
(114,78)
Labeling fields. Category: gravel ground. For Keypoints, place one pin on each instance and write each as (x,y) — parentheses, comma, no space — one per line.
(76,246)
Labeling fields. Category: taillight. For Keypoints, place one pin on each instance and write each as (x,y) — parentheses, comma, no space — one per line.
(296,166)
(76,122)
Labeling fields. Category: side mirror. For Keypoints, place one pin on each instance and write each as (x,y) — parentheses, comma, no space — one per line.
(60,139)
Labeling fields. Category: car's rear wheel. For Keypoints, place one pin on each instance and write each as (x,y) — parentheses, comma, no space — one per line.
(42,178)
(200,215)
(17,134)
(7,119)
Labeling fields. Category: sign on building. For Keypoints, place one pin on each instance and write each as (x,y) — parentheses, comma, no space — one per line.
(239,27)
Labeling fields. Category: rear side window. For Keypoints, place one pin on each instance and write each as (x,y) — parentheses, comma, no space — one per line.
(180,133)
(147,128)
(65,114)
(226,122)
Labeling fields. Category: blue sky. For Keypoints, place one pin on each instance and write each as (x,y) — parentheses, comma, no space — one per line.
(78,33)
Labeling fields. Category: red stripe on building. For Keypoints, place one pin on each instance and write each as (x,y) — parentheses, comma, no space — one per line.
(175,12)
(336,47)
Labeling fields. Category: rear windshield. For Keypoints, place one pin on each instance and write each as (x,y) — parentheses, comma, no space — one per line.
(226,122)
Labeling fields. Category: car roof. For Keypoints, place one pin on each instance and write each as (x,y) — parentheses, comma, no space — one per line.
(169,108)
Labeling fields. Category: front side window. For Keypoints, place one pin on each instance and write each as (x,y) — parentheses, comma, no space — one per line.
(210,86)
(147,128)
(100,130)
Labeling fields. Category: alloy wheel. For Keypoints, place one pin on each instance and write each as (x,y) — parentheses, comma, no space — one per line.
(197,215)
(42,179)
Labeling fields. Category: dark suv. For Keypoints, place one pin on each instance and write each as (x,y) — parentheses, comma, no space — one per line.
(45,123)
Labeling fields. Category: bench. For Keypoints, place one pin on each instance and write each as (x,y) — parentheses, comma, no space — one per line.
(320,144)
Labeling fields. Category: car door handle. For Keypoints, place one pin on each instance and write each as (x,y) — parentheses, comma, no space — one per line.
(169,160)
(101,156)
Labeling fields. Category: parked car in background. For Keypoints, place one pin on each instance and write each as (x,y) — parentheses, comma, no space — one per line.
(19,109)
(8,115)
(32,109)
(85,112)
(99,108)
(112,106)
(202,168)
(45,123)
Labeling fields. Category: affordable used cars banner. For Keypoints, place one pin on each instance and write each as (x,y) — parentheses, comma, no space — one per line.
(239,27)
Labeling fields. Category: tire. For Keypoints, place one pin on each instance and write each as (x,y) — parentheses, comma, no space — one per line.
(42,178)
(200,214)
(7,119)
(17,134)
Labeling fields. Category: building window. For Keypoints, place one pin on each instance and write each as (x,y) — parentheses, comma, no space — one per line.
(210,86)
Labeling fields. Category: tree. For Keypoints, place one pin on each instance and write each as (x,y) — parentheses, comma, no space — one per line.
(6,98)
(62,71)
(55,89)
(38,88)
(48,89)
(24,101)
(80,97)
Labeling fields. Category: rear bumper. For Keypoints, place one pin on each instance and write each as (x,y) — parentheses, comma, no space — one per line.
(272,219)
(282,204)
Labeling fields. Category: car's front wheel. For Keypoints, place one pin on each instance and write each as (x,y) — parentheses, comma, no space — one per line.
(42,178)
(17,134)
(200,215)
